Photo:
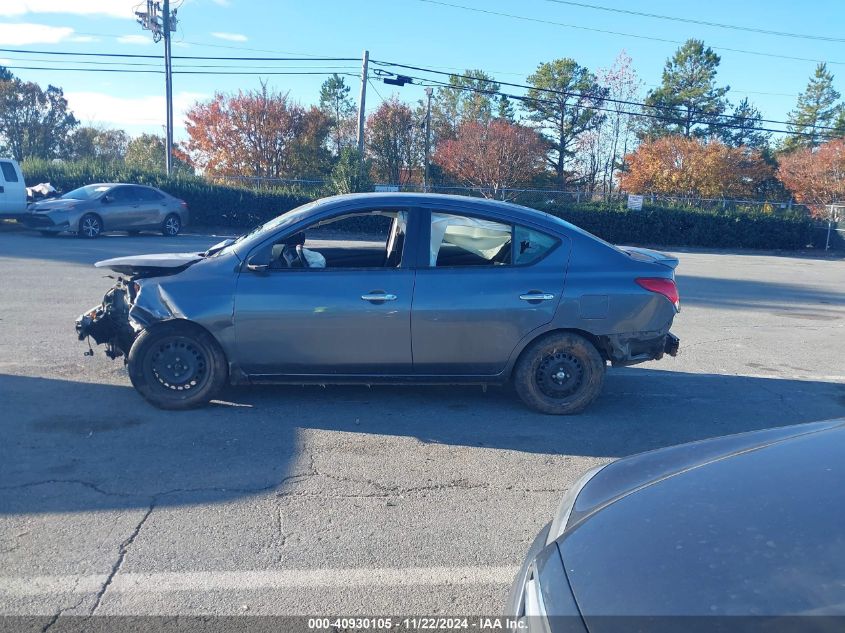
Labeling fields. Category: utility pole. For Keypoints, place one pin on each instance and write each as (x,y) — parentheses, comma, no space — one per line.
(168,87)
(362,102)
(428,92)
(161,27)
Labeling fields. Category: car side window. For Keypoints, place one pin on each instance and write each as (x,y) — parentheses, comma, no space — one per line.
(461,240)
(9,173)
(121,194)
(147,194)
(531,245)
(357,240)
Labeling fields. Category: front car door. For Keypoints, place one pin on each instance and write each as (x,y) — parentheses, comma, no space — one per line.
(120,209)
(349,318)
(488,282)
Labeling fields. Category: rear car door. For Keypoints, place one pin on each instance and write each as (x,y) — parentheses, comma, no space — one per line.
(152,207)
(487,284)
(349,318)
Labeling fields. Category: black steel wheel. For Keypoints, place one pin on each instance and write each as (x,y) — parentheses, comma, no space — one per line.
(177,365)
(559,374)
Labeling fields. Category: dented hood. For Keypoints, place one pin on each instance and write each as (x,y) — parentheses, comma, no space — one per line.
(157,264)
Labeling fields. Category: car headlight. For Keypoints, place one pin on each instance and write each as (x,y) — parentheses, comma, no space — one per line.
(567,503)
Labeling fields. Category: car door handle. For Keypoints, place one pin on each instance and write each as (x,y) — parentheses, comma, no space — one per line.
(379,296)
(537,296)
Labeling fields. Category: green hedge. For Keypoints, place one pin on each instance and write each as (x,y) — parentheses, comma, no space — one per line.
(239,207)
(209,204)
(676,227)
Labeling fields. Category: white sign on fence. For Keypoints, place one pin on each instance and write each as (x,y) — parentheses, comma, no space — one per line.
(635,203)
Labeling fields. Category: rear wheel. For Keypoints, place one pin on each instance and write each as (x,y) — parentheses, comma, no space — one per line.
(90,226)
(559,374)
(171,225)
(177,365)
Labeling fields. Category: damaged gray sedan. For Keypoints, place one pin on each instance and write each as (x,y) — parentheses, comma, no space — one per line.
(402,288)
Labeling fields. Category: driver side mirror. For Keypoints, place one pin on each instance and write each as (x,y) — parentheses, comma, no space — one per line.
(256,265)
(106,199)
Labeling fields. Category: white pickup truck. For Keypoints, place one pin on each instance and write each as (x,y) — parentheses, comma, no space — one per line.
(12,190)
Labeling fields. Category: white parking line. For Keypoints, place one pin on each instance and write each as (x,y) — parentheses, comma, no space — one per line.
(162,582)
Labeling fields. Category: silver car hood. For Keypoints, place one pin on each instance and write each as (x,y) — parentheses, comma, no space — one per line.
(150,265)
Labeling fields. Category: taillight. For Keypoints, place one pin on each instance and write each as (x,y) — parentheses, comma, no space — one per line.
(663,286)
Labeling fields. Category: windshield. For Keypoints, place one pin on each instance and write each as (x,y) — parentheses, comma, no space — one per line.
(87,192)
(286,219)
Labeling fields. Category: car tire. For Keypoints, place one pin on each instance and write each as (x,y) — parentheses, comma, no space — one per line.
(90,226)
(171,226)
(177,365)
(559,374)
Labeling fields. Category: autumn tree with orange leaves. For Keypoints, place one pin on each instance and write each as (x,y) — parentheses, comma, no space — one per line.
(258,133)
(816,177)
(676,165)
(495,156)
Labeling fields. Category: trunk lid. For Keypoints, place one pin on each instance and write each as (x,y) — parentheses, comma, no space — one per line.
(649,255)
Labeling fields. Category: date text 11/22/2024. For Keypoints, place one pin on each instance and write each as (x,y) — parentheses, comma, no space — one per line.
(415,623)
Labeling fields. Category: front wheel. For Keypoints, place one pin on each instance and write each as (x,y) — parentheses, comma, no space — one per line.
(171,225)
(177,365)
(559,374)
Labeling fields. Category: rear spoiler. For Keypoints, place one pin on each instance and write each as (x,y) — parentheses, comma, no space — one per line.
(648,255)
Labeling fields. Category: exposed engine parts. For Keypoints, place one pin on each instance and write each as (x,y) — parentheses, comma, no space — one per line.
(108,323)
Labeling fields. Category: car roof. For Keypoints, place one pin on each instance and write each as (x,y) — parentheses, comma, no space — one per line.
(515,211)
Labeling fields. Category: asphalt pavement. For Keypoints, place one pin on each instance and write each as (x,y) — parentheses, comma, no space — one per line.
(349,500)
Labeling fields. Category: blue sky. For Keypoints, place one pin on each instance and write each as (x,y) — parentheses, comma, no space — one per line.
(415,32)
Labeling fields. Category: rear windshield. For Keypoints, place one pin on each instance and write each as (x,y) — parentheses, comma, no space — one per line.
(86,193)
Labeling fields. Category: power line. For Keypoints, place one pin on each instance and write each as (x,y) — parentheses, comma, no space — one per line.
(523,98)
(609,32)
(176,72)
(734,27)
(196,57)
(573,94)
(145,64)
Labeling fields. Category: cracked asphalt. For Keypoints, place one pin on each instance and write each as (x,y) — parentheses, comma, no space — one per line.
(349,500)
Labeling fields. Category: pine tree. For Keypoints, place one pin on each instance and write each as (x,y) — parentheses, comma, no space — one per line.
(336,104)
(816,108)
(688,102)
(746,132)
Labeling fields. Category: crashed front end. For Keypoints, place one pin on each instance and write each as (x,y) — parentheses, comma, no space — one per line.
(118,320)
(109,323)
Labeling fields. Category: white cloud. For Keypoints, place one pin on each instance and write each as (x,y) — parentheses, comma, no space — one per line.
(230,37)
(84,38)
(137,113)
(20,34)
(110,8)
(135,39)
